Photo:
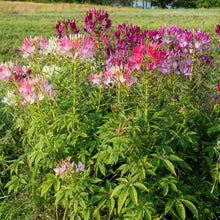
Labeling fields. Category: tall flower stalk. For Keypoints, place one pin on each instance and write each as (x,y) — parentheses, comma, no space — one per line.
(74,69)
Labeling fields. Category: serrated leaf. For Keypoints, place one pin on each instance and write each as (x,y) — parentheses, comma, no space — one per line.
(23,181)
(169,166)
(174,157)
(133,194)
(82,203)
(165,189)
(59,197)
(169,205)
(180,209)
(142,172)
(86,214)
(102,169)
(173,187)
(45,187)
(57,185)
(191,206)
(148,214)
(116,190)
(122,180)
(122,197)
(111,205)
(184,164)
(95,180)
(134,169)
(141,186)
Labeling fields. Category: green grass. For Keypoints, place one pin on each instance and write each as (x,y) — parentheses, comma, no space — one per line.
(15,27)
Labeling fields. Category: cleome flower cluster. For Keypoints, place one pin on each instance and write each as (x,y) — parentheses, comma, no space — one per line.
(127,54)
(67,167)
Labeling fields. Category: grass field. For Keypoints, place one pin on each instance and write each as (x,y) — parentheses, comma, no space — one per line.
(22,19)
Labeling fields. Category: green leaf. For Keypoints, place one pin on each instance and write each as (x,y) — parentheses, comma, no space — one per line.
(111,205)
(173,187)
(122,197)
(142,172)
(141,186)
(86,214)
(180,209)
(174,157)
(102,169)
(95,180)
(116,190)
(57,185)
(165,189)
(191,207)
(169,166)
(148,214)
(122,180)
(169,205)
(133,194)
(46,186)
(185,165)
(60,196)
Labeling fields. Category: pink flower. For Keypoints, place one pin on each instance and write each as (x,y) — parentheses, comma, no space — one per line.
(218,87)
(182,108)
(29,87)
(66,166)
(121,130)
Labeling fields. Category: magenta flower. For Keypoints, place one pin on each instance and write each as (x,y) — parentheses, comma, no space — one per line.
(62,27)
(218,29)
(10,71)
(219,87)
(96,20)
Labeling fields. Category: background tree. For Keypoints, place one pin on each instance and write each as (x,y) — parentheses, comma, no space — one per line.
(207,3)
(161,3)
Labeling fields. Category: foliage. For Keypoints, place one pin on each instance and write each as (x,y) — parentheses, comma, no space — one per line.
(110,124)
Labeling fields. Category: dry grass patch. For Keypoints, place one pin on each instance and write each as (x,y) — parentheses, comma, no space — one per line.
(29,7)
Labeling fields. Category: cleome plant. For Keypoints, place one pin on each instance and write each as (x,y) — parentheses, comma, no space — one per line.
(111,124)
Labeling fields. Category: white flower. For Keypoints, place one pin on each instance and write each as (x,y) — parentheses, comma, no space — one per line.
(50,70)
(10,99)
(53,46)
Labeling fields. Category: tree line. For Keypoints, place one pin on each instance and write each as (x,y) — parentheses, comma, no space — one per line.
(158,3)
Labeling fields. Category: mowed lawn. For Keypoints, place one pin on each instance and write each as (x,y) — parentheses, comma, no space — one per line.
(19,20)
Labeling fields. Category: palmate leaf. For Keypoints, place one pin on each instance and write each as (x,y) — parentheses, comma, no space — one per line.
(180,209)
(122,197)
(191,207)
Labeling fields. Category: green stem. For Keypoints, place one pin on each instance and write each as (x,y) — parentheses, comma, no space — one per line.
(65,213)
(74,87)
(146,96)
(99,100)
(119,94)
(45,131)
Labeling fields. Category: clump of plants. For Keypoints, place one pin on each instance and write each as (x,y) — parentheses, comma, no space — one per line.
(111,125)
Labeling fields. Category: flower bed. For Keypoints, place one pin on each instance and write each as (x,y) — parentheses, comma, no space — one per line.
(135,111)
